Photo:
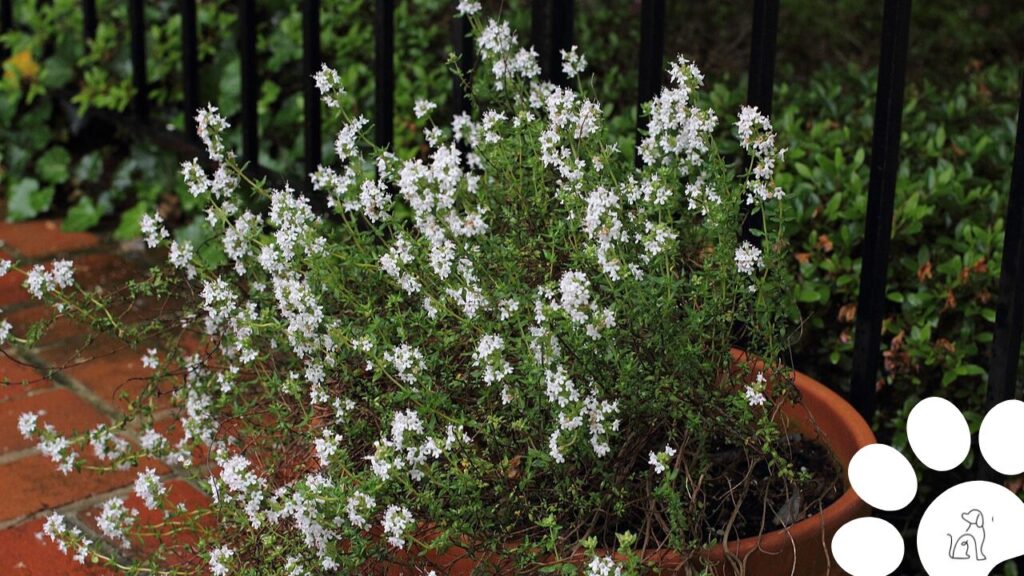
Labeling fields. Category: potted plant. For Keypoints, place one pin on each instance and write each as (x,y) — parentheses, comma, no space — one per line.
(512,353)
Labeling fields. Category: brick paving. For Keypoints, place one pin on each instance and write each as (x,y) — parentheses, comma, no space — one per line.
(78,382)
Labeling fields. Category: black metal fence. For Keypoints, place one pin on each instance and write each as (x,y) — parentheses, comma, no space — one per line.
(552,30)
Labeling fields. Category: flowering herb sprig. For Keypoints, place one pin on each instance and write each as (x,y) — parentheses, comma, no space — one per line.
(483,342)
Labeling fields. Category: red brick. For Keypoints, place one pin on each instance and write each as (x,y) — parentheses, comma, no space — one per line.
(43,238)
(17,379)
(39,486)
(117,378)
(62,408)
(23,554)
(11,290)
(60,330)
(104,269)
(179,543)
(71,351)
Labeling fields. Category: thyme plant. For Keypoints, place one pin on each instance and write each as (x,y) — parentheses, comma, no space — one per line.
(517,345)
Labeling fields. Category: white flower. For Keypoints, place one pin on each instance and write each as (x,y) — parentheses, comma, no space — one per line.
(62,273)
(39,280)
(5,331)
(115,519)
(423,107)
(210,126)
(553,447)
(219,560)
(396,521)
(455,434)
(149,489)
(408,362)
(195,178)
(748,258)
(573,63)
(358,507)
(754,398)
(108,446)
(468,7)
(659,460)
(758,140)
(151,360)
(488,354)
(180,256)
(55,526)
(153,441)
(328,82)
(678,131)
(429,308)
(346,144)
(575,292)
(499,46)
(153,230)
(603,566)
(506,308)
(5,267)
(326,446)
(27,424)
(58,449)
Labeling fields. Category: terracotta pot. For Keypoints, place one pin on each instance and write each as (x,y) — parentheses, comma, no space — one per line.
(803,549)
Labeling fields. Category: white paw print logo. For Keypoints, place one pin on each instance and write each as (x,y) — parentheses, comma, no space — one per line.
(970,528)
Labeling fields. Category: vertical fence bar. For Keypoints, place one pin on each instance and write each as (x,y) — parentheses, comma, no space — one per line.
(463,44)
(190,65)
(761,79)
(137,24)
(89,22)
(384,72)
(652,56)
(311,61)
(6,22)
(760,84)
(539,34)
(1002,374)
(562,16)
(250,82)
(885,155)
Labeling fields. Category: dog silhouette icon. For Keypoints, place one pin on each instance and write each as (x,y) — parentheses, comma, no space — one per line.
(971,543)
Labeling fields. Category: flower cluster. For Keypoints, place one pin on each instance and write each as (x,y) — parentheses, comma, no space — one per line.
(115,519)
(573,63)
(758,140)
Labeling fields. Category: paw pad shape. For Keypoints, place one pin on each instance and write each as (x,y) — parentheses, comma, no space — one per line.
(967,530)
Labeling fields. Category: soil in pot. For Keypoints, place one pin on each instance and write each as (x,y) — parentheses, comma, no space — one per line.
(770,502)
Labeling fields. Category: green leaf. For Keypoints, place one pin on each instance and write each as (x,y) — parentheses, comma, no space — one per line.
(989,314)
(203,240)
(27,199)
(56,72)
(81,216)
(807,293)
(54,165)
(129,227)
(803,170)
(89,167)
(858,158)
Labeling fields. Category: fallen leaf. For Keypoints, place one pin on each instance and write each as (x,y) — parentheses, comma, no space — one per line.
(847,313)
(925,271)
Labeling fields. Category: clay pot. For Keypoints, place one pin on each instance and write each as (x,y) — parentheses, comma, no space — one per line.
(803,549)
